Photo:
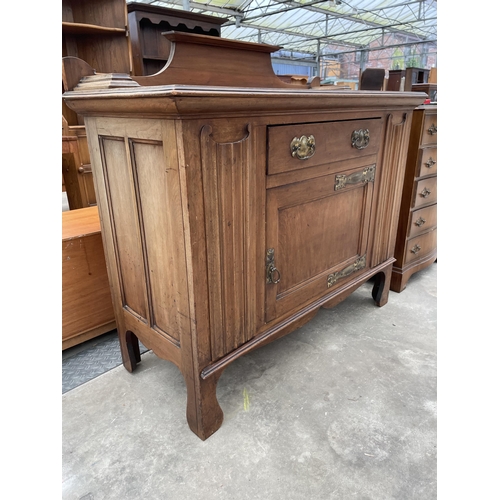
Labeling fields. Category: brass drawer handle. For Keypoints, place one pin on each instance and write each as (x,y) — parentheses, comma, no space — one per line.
(363,176)
(425,192)
(432,129)
(416,249)
(430,162)
(420,222)
(303,147)
(358,264)
(360,138)
(271,270)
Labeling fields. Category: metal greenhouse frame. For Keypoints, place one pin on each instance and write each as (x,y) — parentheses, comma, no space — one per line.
(331,38)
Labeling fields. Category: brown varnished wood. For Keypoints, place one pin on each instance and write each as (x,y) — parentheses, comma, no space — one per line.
(333,141)
(418,176)
(87,309)
(195,183)
(218,61)
(150,49)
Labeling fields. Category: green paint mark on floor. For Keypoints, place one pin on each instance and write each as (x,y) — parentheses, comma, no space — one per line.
(246,400)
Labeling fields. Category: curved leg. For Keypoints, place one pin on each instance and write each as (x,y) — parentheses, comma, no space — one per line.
(129,346)
(203,413)
(380,291)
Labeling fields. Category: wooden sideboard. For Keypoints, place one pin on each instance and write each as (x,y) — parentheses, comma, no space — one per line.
(87,309)
(231,214)
(416,244)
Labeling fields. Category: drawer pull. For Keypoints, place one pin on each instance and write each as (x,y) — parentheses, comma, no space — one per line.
(364,176)
(303,147)
(355,266)
(416,249)
(360,138)
(271,270)
(430,162)
(420,222)
(425,192)
(432,129)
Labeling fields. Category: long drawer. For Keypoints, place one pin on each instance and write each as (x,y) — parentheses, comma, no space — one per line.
(429,132)
(427,161)
(425,192)
(422,220)
(421,245)
(298,146)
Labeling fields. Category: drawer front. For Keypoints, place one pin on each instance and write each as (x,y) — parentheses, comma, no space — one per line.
(422,220)
(429,132)
(427,161)
(294,147)
(425,192)
(421,245)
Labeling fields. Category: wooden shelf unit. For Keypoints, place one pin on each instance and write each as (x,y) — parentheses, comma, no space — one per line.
(150,50)
(96,32)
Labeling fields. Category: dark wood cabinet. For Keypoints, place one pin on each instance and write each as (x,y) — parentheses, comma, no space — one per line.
(150,50)
(411,77)
(416,244)
(231,215)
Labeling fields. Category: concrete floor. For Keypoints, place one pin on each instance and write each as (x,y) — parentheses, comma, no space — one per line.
(343,408)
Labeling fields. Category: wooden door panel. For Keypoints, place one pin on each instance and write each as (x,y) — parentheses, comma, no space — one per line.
(316,228)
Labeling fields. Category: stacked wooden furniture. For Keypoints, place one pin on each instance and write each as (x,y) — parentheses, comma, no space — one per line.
(429,88)
(94,31)
(87,310)
(150,50)
(231,214)
(411,76)
(416,244)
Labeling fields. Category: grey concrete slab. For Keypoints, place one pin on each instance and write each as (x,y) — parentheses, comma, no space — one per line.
(343,408)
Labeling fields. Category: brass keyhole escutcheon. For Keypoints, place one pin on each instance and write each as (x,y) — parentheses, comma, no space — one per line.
(303,147)
(272,274)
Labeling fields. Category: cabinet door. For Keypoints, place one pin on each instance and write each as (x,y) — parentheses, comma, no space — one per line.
(316,237)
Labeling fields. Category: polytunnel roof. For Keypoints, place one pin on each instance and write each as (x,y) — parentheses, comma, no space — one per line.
(320,26)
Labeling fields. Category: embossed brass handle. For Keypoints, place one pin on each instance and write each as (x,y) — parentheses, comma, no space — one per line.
(363,176)
(432,129)
(425,192)
(420,222)
(272,274)
(358,264)
(430,162)
(416,249)
(303,147)
(360,138)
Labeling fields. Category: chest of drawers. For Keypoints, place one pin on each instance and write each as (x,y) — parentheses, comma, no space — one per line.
(416,244)
(231,214)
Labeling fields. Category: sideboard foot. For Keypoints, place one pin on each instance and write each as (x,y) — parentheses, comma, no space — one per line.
(129,345)
(380,291)
(204,415)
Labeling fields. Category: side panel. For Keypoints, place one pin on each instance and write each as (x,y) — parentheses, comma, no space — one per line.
(137,176)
